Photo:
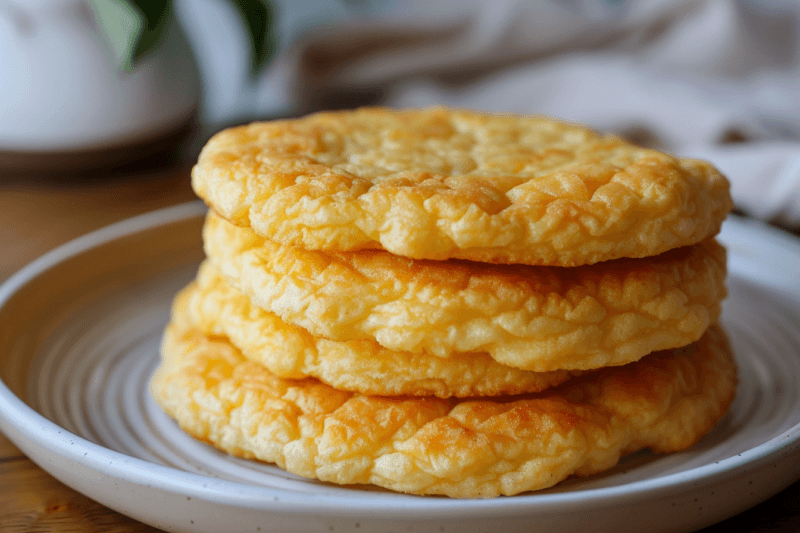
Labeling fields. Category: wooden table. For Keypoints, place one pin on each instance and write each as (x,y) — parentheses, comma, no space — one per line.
(37,214)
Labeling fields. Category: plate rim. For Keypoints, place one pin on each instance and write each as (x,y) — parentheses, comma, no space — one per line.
(25,426)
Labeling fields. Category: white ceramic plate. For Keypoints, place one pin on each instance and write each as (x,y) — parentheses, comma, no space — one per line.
(79,336)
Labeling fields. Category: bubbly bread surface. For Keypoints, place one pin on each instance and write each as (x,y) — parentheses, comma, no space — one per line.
(217,309)
(440,184)
(467,448)
(528,317)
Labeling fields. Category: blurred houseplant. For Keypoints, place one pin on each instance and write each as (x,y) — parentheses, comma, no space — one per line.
(136,27)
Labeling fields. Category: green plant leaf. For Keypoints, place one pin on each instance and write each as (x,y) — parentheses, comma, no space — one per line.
(121,24)
(259,18)
(133,28)
(157,15)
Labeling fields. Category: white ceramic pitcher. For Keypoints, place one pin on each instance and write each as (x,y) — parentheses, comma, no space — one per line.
(62,93)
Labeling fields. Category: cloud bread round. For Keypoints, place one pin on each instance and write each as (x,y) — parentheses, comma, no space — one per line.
(459,448)
(217,309)
(534,318)
(440,184)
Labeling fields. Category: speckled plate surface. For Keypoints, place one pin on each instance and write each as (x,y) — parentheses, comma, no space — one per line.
(79,336)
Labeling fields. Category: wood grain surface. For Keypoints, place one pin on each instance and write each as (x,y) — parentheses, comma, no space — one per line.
(39,213)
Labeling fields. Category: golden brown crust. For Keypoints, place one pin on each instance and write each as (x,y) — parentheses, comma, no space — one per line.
(439,184)
(534,318)
(479,448)
(217,309)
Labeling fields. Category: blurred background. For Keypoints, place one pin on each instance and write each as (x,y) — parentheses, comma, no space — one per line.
(105,104)
(674,73)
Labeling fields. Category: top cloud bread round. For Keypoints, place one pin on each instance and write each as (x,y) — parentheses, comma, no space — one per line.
(440,184)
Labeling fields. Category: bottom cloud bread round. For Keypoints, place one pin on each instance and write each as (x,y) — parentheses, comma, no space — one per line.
(425,445)
(287,351)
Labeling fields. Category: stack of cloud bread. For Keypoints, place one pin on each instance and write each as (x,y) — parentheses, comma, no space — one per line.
(448,302)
